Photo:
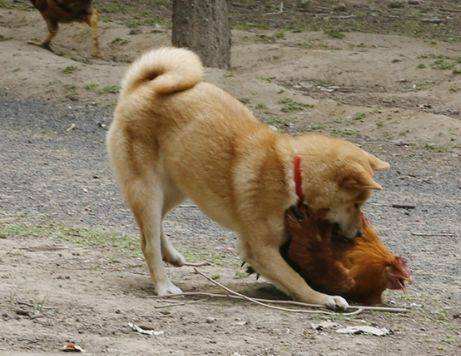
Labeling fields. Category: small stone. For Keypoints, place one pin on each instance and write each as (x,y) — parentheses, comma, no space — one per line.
(118,311)
(434,20)
(22,312)
(210,320)
(400,143)
(134,31)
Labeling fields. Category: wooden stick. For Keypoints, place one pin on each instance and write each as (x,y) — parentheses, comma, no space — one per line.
(404,206)
(255,301)
(433,234)
(286,302)
(395,205)
(174,304)
(197,264)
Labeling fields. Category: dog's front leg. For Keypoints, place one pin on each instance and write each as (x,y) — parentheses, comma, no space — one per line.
(267,261)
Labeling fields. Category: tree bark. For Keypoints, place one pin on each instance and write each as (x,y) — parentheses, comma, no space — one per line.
(203,26)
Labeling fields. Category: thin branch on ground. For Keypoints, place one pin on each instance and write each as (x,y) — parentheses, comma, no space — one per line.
(175,304)
(286,302)
(197,264)
(448,234)
(20,302)
(264,304)
(396,206)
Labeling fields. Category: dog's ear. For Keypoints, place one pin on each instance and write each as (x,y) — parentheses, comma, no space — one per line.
(376,164)
(357,178)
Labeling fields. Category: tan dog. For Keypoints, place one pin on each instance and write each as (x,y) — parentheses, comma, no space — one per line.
(174,136)
(58,11)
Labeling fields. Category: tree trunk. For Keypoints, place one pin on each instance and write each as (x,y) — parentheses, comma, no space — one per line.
(203,26)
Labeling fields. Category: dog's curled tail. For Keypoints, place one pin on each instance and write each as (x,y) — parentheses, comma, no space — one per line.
(164,70)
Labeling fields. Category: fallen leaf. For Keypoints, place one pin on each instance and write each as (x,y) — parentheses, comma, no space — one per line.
(71,127)
(364,329)
(325,325)
(72,347)
(140,330)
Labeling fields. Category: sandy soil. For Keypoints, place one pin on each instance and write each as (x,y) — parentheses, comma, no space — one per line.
(70,265)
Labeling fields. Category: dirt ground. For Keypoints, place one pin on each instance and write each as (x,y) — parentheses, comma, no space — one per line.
(70,263)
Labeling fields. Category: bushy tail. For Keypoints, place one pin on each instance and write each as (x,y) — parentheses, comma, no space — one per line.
(165,71)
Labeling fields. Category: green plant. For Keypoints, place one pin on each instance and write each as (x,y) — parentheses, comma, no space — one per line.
(305,45)
(435,148)
(4,38)
(112,89)
(345,132)
(274,121)
(280,34)
(289,105)
(360,116)
(69,69)
(421,66)
(240,275)
(443,63)
(120,41)
(261,106)
(71,91)
(246,26)
(334,33)
(266,79)
(317,126)
(91,86)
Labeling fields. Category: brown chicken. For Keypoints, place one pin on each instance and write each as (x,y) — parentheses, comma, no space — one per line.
(359,270)
(60,11)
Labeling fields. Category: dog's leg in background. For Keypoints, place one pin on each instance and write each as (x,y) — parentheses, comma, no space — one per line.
(92,21)
(172,197)
(268,262)
(145,196)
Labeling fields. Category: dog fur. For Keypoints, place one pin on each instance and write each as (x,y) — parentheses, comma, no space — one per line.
(174,137)
(61,11)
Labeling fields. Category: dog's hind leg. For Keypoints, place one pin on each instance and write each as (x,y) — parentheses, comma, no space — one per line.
(92,21)
(172,197)
(145,196)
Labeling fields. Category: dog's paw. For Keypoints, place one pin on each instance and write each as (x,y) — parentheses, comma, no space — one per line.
(166,288)
(174,258)
(335,302)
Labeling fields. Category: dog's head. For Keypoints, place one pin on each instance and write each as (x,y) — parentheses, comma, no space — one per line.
(337,178)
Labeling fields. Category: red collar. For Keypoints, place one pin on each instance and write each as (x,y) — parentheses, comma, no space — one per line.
(298,179)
